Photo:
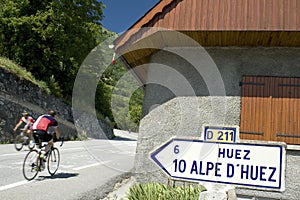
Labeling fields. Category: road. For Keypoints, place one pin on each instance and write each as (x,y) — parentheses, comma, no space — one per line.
(85,168)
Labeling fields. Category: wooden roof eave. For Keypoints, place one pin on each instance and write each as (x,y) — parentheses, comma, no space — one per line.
(283,31)
(155,10)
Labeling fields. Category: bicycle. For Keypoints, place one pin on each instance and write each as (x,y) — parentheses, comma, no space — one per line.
(22,140)
(34,163)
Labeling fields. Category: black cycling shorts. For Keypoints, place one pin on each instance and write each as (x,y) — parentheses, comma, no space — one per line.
(41,136)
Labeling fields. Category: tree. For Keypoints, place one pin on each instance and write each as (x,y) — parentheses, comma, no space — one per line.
(50,38)
(126,104)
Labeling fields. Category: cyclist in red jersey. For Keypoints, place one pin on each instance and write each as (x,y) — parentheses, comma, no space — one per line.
(41,126)
(27,121)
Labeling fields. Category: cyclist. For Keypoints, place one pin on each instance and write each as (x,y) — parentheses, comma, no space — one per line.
(27,121)
(40,130)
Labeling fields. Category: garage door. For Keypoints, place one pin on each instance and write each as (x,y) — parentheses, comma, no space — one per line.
(270,109)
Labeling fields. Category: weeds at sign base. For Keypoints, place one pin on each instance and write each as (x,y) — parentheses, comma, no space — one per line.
(160,191)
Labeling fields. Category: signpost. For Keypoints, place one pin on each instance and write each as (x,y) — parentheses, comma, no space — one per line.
(244,164)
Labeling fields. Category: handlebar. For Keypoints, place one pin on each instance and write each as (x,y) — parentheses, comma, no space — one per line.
(23,130)
(62,139)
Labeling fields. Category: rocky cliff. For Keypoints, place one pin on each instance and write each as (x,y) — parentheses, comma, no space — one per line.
(17,95)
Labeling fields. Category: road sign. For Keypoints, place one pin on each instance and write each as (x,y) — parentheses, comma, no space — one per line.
(243,164)
(221,133)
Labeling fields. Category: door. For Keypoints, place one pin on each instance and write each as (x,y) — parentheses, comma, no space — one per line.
(270,109)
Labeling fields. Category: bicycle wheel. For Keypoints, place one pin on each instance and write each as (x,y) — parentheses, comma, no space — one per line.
(53,161)
(31,144)
(19,140)
(31,165)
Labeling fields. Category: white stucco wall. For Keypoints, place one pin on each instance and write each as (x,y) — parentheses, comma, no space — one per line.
(181,96)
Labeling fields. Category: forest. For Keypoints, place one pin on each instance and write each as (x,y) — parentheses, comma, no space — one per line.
(51,39)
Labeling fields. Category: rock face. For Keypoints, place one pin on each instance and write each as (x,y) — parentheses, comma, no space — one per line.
(17,95)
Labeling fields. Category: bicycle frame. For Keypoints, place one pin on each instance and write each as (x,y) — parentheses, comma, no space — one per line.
(33,163)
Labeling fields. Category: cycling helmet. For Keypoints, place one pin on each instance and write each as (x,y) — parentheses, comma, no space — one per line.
(25,113)
(52,113)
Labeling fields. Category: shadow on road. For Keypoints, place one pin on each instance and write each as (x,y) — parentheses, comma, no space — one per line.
(123,138)
(125,135)
(57,176)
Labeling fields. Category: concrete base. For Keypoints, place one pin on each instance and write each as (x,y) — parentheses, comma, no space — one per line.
(212,195)
(218,195)
(218,192)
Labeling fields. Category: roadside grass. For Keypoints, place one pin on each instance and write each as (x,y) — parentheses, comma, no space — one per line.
(160,191)
(22,73)
(81,137)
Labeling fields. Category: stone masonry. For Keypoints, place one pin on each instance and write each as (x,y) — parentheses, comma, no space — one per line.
(17,95)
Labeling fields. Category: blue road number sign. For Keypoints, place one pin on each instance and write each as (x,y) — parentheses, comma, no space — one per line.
(220,134)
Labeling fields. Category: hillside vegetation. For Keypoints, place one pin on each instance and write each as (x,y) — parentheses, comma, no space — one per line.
(22,72)
(47,41)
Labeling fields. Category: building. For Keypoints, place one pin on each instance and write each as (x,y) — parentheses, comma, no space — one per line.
(218,62)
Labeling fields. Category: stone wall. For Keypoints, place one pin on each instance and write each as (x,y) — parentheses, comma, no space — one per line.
(181,117)
(17,95)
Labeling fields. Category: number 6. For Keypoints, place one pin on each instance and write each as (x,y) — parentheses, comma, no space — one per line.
(176,149)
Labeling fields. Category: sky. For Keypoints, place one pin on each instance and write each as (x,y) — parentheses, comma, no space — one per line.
(122,14)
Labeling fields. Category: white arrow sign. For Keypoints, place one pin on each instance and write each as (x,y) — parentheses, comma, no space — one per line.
(250,165)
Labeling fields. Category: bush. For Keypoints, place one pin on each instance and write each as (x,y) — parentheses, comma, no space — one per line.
(157,191)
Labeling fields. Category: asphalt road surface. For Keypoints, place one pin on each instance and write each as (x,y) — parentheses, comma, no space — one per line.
(85,168)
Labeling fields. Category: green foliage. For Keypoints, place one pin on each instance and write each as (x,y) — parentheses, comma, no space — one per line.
(80,137)
(119,97)
(22,72)
(54,87)
(157,191)
(136,105)
(50,37)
